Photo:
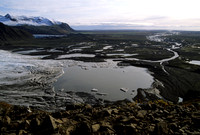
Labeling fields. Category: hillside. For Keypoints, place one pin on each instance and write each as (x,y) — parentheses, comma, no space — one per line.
(9,33)
(62,28)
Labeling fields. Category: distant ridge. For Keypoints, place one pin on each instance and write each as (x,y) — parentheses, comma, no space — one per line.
(8,33)
(36,25)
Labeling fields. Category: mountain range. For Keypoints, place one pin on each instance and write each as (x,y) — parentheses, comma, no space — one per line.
(36,25)
(23,20)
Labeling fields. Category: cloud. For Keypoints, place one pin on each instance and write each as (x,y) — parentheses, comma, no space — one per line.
(109,12)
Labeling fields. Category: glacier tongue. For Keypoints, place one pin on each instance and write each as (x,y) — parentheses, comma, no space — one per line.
(27,80)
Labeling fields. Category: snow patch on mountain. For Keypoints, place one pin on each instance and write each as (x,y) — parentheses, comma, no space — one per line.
(23,20)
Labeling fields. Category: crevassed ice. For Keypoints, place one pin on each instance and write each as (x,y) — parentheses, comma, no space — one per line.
(14,67)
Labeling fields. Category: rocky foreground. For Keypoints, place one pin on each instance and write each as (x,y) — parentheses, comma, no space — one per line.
(158,117)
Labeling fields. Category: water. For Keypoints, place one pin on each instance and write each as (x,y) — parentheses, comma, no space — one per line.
(107,78)
(195,62)
(121,54)
(75,55)
(46,36)
(107,47)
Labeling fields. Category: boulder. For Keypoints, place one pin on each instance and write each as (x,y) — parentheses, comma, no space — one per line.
(70,130)
(95,127)
(22,132)
(84,128)
(141,114)
(151,128)
(6,120)
(51,122)
(48,126)
(161,128)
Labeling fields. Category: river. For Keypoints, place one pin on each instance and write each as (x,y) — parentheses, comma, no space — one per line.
(159,37)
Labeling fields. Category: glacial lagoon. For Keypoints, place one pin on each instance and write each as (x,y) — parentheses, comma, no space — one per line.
(107,78)
(31,81)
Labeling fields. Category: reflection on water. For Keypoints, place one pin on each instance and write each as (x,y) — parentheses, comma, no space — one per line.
(107,80)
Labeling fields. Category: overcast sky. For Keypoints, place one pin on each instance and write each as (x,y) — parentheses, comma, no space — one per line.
(111,14)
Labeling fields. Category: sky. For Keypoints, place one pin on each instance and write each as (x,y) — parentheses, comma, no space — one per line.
(111,14)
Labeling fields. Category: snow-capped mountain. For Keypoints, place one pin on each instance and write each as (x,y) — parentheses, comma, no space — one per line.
(36,25)
(23,20)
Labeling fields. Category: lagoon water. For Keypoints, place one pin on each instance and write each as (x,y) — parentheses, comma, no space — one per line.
(107,77)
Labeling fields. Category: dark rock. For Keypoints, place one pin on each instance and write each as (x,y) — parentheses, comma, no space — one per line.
(83,128)
(196,119)
(57,114)
(48,126)
(130,129)
(151,128)
(125,129)
(130,119)
(166,112)
(105,112)
(35,124)
(151,117)
(70,130)
(106,127)
(173,126)
(141,96)
(50,122)
(157,120)
(6,120)
(197,105)
(3,129)
(115,111)
(82,117)
(27,124)
(161,128)
(146,106)
(22,132)
(73,107)
(87,106)
(181,131)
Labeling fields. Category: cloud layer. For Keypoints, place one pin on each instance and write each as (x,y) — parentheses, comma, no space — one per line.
(126,13)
